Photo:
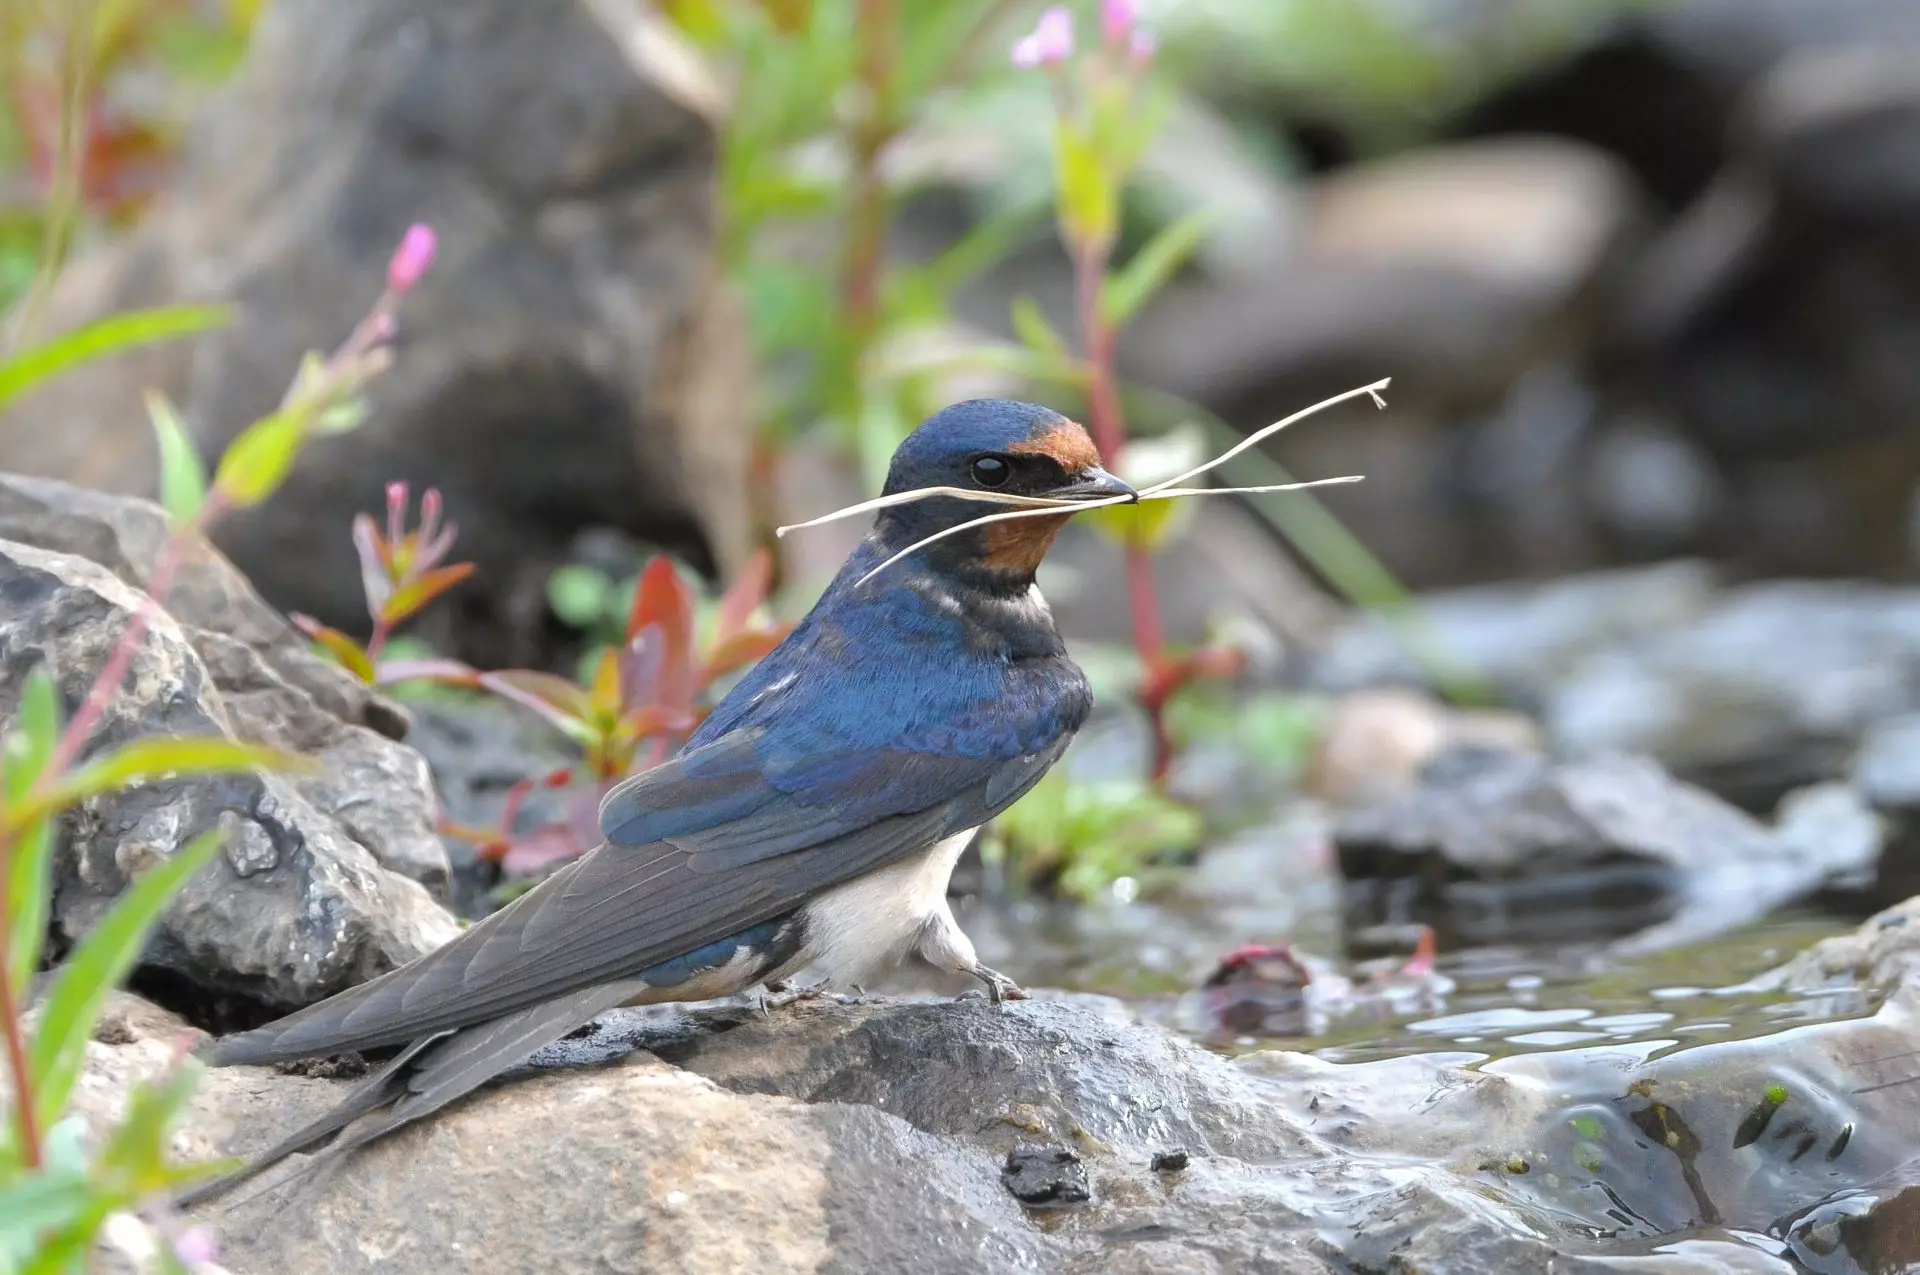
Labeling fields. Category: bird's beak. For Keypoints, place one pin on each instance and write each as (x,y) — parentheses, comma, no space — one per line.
(1094,483)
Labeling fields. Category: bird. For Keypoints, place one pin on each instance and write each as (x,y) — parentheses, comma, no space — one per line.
(810,823)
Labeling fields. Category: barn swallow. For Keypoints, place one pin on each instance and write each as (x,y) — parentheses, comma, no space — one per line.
(811,823)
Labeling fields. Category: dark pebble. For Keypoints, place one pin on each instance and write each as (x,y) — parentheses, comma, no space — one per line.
(1046,1177)
(1169,1161)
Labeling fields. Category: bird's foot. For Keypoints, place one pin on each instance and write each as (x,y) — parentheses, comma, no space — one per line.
(999,987)
(785,994)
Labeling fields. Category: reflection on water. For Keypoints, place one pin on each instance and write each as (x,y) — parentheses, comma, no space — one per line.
(1156,942)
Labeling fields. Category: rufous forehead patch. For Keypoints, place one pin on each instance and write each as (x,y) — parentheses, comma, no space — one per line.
(1067,443)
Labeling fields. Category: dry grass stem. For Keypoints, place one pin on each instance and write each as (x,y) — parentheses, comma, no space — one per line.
(1045,506)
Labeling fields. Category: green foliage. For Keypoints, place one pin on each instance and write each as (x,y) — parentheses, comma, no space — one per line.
(820,88)
(400,574)
(110,335)
(1130,288)
(183,476)
(102,961)
(637,697)
(54,1194)
(260,459)
(1078,837)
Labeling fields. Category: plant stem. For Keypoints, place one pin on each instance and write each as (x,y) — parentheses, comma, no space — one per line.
(15,1030)
(114,672)
(65,190)
(1109,435)
(879,32)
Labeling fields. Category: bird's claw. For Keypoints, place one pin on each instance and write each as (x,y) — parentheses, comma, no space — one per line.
(999,987)
(786,994)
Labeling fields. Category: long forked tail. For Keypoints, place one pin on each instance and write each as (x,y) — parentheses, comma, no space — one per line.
(426,1076)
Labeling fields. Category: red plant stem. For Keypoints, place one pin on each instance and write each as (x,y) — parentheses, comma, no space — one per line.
(16,1033)
(378,639)
(114,672)
(65,753)
(867,218)
(1109,435)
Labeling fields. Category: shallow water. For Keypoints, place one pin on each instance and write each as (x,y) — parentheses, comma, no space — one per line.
(1154,943)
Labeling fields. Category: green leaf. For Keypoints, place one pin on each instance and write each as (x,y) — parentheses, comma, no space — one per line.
(137,1152)
(29,747)
(144,760)
(97,340)
(1146,525)
(1130,288)
(261,458)
(39,1203)
(100,964)
(1034,330)
(1089,200)
(342,418)
(579,594)
(183,475)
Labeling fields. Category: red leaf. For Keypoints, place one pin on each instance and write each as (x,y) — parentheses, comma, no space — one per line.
(740,650)
(446,672)
(554,698)
(744,596)
(664,602)
(416,593)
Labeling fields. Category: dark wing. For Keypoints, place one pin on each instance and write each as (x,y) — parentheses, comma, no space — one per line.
(707,845)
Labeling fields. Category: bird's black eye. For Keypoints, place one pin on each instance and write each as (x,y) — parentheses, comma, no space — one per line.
(991,471)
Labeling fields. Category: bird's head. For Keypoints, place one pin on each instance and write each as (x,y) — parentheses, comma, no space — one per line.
(991,445)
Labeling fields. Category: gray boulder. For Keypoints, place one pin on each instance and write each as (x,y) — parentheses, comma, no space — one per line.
(326,879)
(1497,846)
(894,1135)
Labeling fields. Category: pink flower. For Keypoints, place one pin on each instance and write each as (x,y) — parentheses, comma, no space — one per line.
(1050,42)
(196,1246)
(1142,47)
(1117,18)
(412,258)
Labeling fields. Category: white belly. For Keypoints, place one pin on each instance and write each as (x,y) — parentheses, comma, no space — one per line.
(856,929)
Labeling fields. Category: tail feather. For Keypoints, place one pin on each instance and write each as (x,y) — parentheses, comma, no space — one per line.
(375,1092)
(426,1076)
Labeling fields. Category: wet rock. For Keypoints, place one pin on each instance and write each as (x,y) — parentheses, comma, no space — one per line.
(1502,847)
(1750,691)
(1522,638)
(1883,952)
(1500,237)
(876,1136)
(324,880)
(571,361)
(1886,773)
(1767,690)
(1374,744)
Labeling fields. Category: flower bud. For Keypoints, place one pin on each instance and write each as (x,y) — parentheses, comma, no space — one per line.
(412,258)
(1050,42)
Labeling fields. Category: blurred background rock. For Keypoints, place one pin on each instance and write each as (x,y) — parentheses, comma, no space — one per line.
(1646,274)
